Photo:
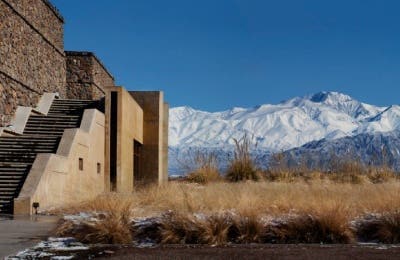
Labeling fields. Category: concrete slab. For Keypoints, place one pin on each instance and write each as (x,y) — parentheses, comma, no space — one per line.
(19,233)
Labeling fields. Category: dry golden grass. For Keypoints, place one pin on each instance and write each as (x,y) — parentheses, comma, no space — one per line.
(113,227)
(250,198)
(204,176)
(202,167)
(316,211)
(242,166)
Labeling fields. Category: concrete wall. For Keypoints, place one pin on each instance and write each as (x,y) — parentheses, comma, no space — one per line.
(56,180)
(164,130)
(129,128)
(31,54)
(86,76)
(155,135)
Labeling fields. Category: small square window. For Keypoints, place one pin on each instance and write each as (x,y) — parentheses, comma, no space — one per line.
(81,164)
(98,168)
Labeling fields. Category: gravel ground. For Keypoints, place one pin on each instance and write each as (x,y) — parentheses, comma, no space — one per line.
(254,252)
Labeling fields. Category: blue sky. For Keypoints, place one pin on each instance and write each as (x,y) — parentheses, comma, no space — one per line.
(216,54)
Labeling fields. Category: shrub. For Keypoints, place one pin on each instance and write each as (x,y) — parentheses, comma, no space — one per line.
(381,175)
(242,166)
(202,166)
(308,228)
(246,229)
(177,228)
(112,228)
(383,228)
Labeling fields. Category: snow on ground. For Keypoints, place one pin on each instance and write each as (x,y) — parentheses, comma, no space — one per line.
(53,248)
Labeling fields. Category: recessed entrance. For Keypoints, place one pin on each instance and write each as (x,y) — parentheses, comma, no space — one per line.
(113,140)
(137,155)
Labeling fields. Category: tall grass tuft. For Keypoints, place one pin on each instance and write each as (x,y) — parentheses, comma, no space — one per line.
(242,166)
(114,226)
(205,168)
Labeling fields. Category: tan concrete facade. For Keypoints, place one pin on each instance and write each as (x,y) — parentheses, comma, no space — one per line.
(122,148)
(129,128)
(155,135)
(141,118)
(56,180)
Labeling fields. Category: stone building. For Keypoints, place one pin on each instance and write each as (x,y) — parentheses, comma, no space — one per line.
(67,133)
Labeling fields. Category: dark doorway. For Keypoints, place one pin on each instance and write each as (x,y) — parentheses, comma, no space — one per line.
(113,140)
(137,163)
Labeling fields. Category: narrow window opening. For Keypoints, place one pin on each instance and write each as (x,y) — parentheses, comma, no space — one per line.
(98,168)
(81,164)
(137,160)
(113,140)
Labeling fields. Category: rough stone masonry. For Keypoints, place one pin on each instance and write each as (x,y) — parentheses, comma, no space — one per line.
(33,61)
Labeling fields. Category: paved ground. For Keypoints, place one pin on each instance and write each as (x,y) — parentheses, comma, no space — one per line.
(18,233)
(290,252)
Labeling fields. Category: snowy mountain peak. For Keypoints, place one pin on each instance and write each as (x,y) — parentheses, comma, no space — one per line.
(330,98)
(329,116)
(283,126)
(179,113)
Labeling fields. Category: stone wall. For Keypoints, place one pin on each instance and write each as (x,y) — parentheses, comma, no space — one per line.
(11,95)
(44,17)
(32,60)
(86,76)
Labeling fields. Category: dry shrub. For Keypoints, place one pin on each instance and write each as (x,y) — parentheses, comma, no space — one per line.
(308,228)
(347,177)
(246,229)
(242,166)
(381,175)
(293,175)
(178,228)
(112,226)
(202,166)
(348,169)
(383,228)
(216,229)
(324,208)
(203,176)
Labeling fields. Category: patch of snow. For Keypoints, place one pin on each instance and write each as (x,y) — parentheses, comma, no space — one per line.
(56,248)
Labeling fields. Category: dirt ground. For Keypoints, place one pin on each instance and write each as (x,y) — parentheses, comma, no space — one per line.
(325,252)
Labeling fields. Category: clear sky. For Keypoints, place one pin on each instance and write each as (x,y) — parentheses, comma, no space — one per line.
(216,54)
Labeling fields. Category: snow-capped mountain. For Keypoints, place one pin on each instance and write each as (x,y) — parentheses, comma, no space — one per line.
(369,148)
(287,125)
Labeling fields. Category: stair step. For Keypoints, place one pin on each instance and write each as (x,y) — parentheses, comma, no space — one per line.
(8,185)
(5,197)
(35,140)
(47,123)
(28,138)
(10,180)
(12,170)
(16,165)
(21,146)
(25,152)
(13,178)
(55,117)
(48,127)
(58,101)
(42,134)
(6,190)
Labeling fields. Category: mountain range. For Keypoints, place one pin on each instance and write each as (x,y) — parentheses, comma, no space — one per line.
(316,124)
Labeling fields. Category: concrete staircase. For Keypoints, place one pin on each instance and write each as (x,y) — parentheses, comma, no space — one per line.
(42,134)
